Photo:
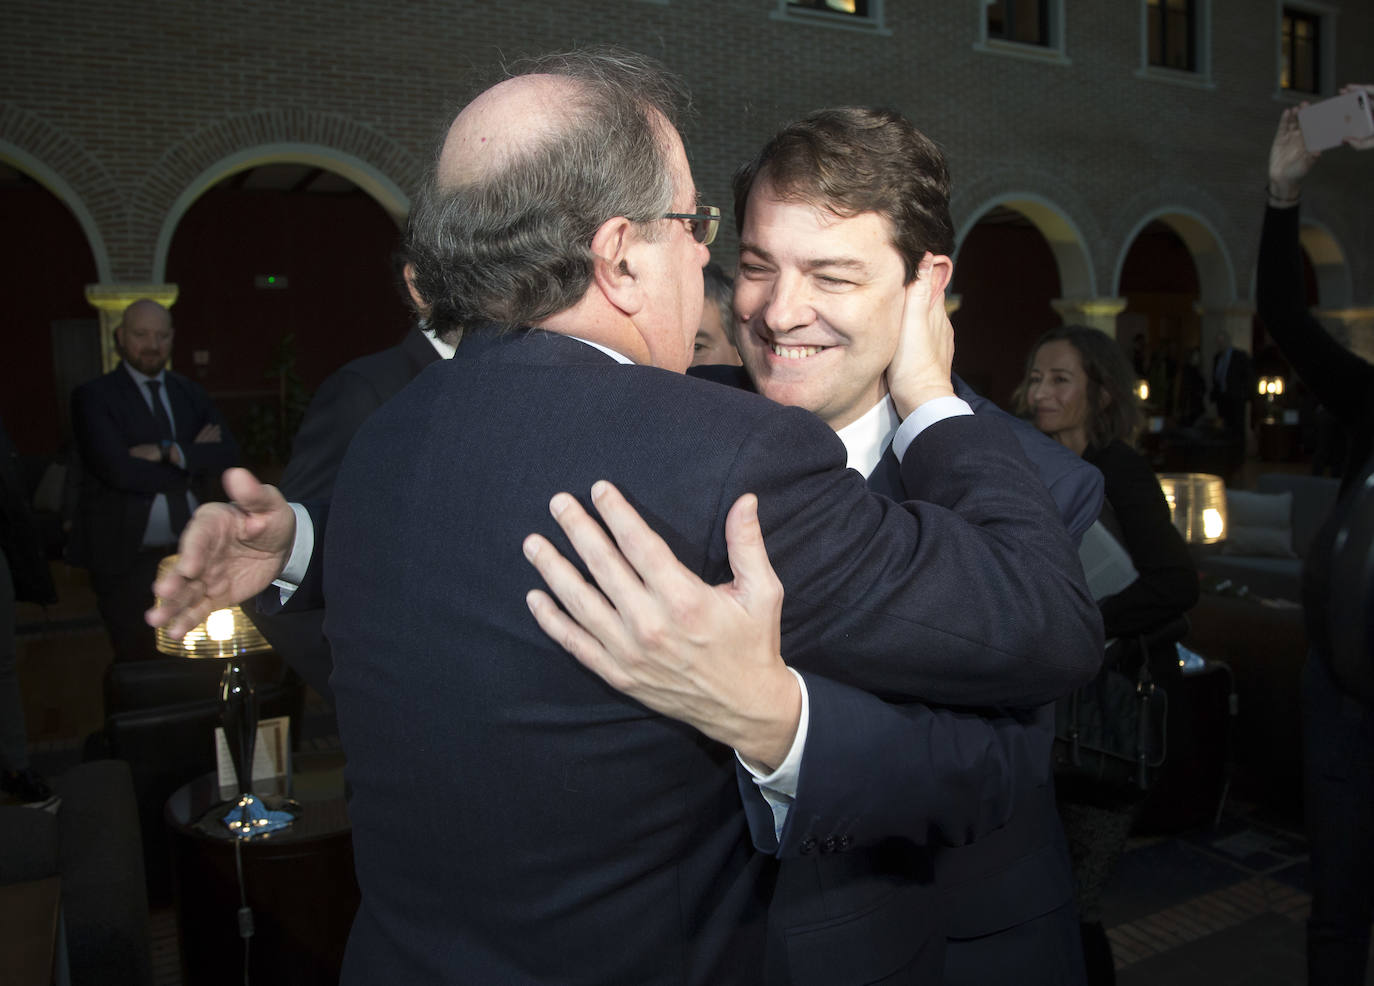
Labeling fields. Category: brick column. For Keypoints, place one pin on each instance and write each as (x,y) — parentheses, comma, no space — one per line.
(1096,313)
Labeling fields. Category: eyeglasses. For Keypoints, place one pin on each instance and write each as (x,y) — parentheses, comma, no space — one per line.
(703,223)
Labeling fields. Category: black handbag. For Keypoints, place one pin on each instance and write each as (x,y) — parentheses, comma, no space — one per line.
(1112,731)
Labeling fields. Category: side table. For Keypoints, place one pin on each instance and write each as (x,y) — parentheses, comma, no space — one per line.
(299,883)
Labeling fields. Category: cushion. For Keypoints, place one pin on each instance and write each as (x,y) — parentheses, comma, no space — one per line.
(1259,524)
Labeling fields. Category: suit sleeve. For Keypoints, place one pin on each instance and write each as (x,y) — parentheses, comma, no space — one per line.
(206,458)
(337,411)
(309,594)
(1074,484)
(874,770)
(1341,380)
(104,446)
(971,595)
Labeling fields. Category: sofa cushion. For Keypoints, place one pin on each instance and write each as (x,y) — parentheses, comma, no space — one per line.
(1313,498)
(1259,525)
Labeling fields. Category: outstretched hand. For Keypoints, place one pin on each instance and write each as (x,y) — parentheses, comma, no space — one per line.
(1289,159)
(228,552)
(921,367)
(706,655)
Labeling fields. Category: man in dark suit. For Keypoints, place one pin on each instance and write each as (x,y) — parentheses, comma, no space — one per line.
(1232,382)
(151,445)
(834,215)
(344,401)
(514,819)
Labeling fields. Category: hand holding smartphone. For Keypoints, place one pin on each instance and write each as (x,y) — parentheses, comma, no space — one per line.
(1329,122)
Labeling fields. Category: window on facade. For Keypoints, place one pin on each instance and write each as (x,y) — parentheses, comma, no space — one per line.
(1024,21)
(859,8)
(1301,51)
(1172,26)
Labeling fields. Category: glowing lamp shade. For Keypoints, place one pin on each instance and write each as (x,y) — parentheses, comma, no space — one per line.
(1142,389)
(1197,505)
(224,633)
(1270,387)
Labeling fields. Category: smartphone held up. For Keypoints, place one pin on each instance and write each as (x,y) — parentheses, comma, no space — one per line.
(1330,122)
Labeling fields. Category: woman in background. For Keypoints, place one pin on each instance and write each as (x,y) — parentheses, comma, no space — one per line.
(1078,389)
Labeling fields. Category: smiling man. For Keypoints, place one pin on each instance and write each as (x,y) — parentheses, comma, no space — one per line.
(841,214)
(835,215)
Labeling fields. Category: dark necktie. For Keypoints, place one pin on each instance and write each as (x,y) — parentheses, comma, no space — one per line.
(178,511)
(164,423)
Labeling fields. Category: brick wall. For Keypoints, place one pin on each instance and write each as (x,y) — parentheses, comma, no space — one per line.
(135,108)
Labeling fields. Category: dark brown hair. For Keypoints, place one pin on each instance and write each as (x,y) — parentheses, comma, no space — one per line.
(851,160)
(1108,371)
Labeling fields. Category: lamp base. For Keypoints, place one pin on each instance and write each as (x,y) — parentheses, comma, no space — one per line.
(248,817)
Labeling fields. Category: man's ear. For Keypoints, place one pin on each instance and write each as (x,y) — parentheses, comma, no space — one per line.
(615,266)
(941,273)
(408,272)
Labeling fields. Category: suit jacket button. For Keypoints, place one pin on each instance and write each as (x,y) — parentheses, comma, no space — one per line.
(829,844)
(845,842)
(808,846)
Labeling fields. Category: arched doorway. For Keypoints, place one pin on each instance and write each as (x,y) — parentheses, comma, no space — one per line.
(52,336)
(1161,326)
(1006,276)
(284,272)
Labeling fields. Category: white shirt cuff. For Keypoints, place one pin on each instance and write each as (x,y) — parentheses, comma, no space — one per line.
(779,788)
(923,417)
(301,551)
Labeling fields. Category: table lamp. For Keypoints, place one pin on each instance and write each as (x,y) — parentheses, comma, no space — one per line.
(228,634)
(1197,505)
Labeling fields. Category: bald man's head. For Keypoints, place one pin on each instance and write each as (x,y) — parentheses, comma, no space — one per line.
(530,169)
(504,123)
(144,336)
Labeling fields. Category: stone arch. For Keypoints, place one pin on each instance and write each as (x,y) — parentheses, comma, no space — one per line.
(1216,272)
(375,163)
(1077,279)
(60,165)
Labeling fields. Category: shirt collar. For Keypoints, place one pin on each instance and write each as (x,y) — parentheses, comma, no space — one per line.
(868,438)
(605,349)
(444,350)
(142,378)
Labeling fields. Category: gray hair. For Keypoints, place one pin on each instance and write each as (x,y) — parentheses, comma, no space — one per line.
(514,246)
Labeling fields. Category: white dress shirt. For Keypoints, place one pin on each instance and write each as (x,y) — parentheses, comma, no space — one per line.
(158,531)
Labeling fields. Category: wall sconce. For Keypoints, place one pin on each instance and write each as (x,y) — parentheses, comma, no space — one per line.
(1142,390)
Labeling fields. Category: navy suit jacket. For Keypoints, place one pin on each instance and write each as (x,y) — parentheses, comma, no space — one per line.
(517,820)
(344,401)
(109,416)
(880,781)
